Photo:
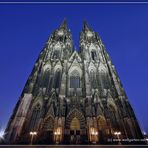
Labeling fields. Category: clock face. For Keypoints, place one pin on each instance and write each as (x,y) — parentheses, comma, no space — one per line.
(89,34)
(60,32)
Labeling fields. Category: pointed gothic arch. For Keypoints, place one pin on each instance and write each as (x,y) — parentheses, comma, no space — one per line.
(102,68)
(104,80)
(47,66)
(75,124)
(111,102)
(48,124)
(75,114)
(45,78)
(96,96)
(101,122)
(93,55)
(93,51)
(56,51)
(34,120)
(57,78)
(75,67)
(102,127)
(93,78)
(74,79)
(113,115)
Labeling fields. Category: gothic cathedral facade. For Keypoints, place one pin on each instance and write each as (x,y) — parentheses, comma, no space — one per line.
(72,97)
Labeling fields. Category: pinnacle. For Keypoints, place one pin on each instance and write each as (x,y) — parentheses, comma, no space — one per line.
(86,26)
(64,24)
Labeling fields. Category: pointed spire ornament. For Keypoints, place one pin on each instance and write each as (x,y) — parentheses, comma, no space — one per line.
(64,24)
(86,26)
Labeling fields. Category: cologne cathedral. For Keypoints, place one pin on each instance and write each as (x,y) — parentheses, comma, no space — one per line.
(73,97)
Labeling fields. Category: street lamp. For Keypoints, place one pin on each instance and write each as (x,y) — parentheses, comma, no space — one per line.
(94,134)
(118,134)
(32,134)
(57,134)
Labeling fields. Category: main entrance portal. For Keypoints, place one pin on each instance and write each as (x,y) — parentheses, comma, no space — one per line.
(75,131)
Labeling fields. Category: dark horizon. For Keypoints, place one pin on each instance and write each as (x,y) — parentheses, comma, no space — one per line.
(122,28)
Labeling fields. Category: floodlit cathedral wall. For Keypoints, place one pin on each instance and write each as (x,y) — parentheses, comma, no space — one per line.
(72,97)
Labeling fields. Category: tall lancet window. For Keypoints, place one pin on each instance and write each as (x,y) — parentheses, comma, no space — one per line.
(75,79)
(56,51)
(35,117)
(93,79)
(46,77)
(113,118)
(56,54)
(104,77)
(93,55)
(57,79)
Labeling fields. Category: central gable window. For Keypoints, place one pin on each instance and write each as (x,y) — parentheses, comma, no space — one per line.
(75,79)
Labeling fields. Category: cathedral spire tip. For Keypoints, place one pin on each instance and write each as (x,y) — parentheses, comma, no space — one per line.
(64,24)
(86,26)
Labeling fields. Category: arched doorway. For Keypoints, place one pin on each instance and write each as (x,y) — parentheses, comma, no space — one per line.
(75,131)
(102,128)
(47,128)
(75,128)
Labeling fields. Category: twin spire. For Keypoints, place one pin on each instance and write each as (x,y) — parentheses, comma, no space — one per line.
(85,25)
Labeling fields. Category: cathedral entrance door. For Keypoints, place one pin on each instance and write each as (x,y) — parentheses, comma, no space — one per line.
(46,137)
(75,131)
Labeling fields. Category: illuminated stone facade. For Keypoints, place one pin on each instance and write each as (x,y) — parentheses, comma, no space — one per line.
(72,97)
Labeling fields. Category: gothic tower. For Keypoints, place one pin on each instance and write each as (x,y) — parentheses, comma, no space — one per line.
(72,97)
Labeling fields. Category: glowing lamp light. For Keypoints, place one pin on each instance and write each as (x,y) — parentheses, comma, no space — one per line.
(33,133)
(94,132)
(117,133)
(57,132)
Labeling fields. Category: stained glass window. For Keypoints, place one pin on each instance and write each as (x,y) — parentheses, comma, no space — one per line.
(57,79)
(74,82)
(75,79)
(93,79)
(35,117)
(93,55)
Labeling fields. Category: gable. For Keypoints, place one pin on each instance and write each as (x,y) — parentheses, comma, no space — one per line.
(75,56)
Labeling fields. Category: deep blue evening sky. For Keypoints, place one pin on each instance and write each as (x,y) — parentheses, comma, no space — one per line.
(24,29)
